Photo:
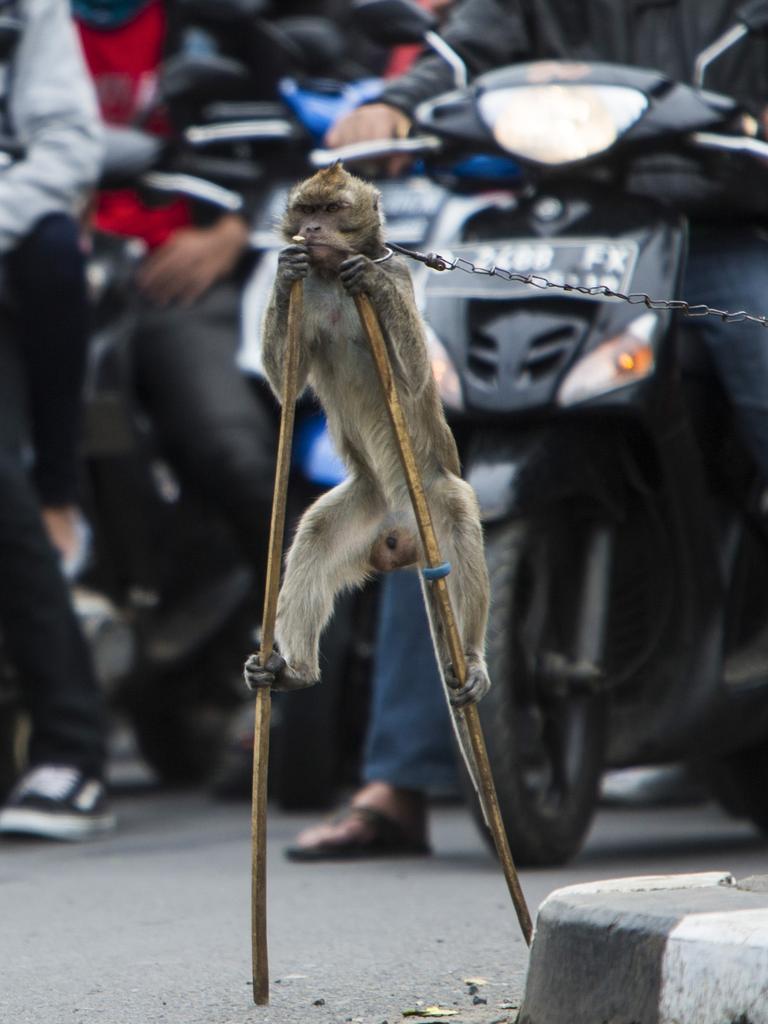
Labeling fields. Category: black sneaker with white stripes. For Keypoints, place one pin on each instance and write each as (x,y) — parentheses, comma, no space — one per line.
(57,802)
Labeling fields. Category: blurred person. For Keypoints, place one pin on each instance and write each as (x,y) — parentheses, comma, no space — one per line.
(50,111)
(45,275)
(217,426)
(44,265)
(727,269)
(489,34)
(62,794)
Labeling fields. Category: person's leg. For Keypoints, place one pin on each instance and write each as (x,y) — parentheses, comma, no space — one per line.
(42,638)
(409,741)
(46,278)
(218,428)
(14,418)
(409,751)
(728,269)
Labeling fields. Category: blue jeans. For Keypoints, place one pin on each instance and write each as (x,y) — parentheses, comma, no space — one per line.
(409,741)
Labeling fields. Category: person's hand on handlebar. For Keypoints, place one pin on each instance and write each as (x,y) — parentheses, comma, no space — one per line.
(370,122)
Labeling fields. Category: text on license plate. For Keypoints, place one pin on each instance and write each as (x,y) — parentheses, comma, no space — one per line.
(585,262)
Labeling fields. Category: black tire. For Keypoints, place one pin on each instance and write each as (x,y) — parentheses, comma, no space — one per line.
(318,734)
(546,749)
(182,744)
(304,758)
(740,783)
(304,761)
(180,725)
(182,714)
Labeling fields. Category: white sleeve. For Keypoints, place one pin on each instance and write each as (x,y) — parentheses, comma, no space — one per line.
(53,114)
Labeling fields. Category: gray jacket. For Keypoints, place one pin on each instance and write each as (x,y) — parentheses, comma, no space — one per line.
(51,110)
(661,34)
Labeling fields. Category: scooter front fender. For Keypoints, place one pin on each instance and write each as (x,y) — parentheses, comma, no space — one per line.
(517,471)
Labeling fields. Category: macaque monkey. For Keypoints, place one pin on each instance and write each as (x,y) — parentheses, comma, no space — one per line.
(366,524)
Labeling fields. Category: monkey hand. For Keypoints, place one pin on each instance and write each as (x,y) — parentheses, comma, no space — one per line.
(474,689)
(359,274)
(292,264)
(276,674)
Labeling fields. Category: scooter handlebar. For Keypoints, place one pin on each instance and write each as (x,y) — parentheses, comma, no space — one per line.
(195,188)
(273,129)
(376,149)
(731,143)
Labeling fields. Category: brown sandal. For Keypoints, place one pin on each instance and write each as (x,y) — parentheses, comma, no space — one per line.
(388,839)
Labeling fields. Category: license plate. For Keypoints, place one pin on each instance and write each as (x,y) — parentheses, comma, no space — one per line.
(580,262)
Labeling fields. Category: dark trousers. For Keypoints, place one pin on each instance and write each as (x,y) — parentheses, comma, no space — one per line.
(218,427)
(41,634)
(728,269)
(42,344)
(46,282)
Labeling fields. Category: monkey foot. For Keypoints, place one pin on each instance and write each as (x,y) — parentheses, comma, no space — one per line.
(474,689)
(276,674)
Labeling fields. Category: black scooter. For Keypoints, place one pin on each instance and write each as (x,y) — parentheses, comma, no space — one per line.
(626,534)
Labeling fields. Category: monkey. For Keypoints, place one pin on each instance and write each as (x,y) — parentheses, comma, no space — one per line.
(334,225)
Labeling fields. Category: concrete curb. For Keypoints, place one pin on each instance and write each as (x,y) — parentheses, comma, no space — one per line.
(667,949)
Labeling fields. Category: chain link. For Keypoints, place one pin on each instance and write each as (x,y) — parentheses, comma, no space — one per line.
(437,262)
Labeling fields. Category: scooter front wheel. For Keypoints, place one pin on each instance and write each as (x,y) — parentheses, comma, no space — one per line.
(545,738)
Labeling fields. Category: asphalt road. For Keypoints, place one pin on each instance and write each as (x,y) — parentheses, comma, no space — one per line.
(152,924)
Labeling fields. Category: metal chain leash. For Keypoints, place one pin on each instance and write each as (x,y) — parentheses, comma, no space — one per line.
(435,261)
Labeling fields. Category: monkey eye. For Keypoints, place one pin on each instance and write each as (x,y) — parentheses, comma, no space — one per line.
(306,208)
(333,207)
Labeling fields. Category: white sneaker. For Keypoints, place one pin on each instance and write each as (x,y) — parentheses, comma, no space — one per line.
(57,802)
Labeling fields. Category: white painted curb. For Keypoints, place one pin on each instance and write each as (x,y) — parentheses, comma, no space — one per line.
(643,883)
(715,969)
(664,949)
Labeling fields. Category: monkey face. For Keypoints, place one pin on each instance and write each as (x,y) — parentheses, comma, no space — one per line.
(337,214)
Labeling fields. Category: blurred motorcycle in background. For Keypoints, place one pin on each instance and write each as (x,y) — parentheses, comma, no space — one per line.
(168,604)
(626,526)
(183,606)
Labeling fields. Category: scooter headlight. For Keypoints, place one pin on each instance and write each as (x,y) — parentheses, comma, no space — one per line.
(560,124)
(444,372)
(615,363)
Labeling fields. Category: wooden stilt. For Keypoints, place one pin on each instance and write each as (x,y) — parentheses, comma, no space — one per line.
(263,694)
(477,753)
